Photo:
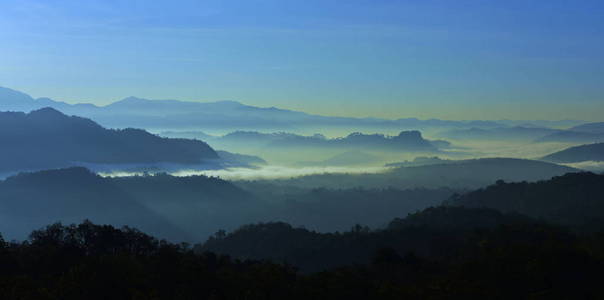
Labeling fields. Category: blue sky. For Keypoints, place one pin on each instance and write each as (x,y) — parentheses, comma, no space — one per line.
(385,58)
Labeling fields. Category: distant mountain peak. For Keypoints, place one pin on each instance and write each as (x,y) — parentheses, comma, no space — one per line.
(47,112)
(10,96)
(411,134)
(131,99)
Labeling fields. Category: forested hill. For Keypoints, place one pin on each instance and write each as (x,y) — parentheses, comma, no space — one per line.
(515,260)
(590,152)
(176,208)
(47,138)
(575,199)
(459,174)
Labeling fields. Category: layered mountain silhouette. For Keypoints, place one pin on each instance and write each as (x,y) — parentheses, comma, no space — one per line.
(404,141)
(178,208)
(460,174)
(585,133)
(192,207)
(518,211)
(422,161)
(573,199)
(348,158)
(240,160)
(570,136)
(165,114)
(432,233)
(597,128)
(501,133)
(46,138)
(31,200)
(591,152)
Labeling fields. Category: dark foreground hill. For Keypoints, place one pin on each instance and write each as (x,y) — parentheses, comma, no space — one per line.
(194,207)
(29,201)
(575,200)
(178,208)
(430,233)
(489,256)
(591,152)
(46,138)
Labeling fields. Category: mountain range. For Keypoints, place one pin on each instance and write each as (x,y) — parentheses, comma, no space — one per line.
(513,209)
(46,138)
(586,133)
(224,115)
(573,199)
(405,141)
(591,152)
(177,208)
(436,173)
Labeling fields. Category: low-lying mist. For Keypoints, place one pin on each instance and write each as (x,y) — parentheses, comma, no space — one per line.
(264,172)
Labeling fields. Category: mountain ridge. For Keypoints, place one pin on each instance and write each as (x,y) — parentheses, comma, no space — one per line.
(226,112)
(47,138)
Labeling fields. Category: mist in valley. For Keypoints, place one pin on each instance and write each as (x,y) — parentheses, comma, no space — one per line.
(301,150)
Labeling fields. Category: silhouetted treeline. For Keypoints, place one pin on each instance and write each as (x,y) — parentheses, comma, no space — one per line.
(575,199)
(440,253)
(326,209)
(511,258)
(89,261)
(435,232)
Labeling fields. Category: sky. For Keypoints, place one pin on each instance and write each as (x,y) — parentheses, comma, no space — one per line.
(513,59)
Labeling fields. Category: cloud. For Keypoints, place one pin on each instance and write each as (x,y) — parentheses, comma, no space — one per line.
(269,172)
(593,166)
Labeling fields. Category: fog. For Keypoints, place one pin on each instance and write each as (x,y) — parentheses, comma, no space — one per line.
(592,166)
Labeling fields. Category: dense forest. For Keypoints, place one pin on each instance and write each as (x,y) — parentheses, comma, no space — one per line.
(574,199)
(509,240)
(485,254)
(191,208)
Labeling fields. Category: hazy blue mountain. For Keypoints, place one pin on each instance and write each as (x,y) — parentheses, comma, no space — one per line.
(240,160)
(188,135)
(596,128)
(591,152)
(573,199)
(192,207)
(585,133)
(571,136)
(557,124)
(404,141)
(178,208)
(421,161)
(473,173)
(46,138)
(499,134)
(232,115)
(31,200)
(348,158)
(174,114)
